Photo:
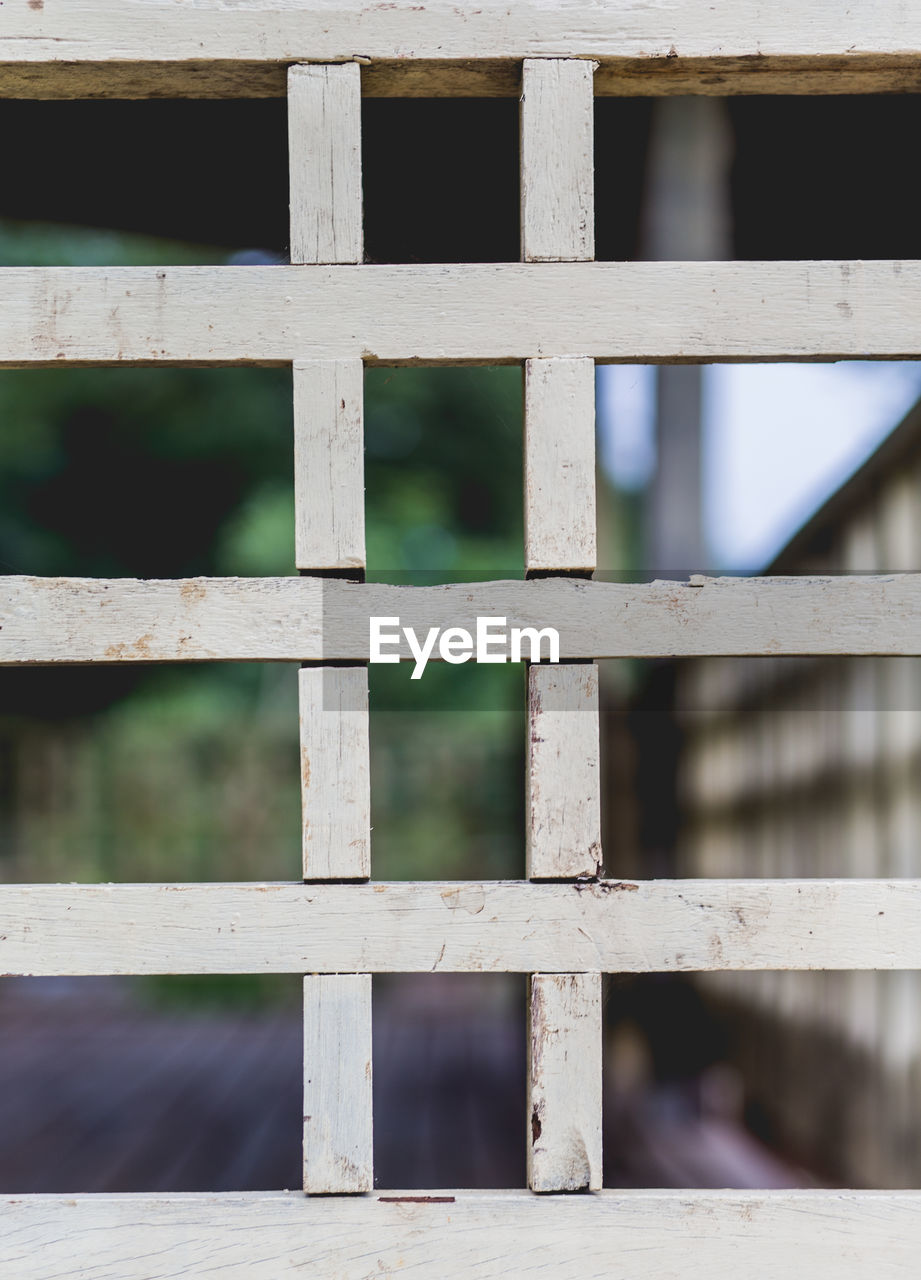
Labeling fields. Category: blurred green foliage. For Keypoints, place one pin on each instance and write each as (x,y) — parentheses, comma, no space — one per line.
(191,773)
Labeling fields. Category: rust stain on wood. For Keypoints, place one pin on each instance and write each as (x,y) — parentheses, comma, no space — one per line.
(468,897)
(416,1199)
(139,650)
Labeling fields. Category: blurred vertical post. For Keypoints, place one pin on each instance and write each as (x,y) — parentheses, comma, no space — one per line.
(686,218)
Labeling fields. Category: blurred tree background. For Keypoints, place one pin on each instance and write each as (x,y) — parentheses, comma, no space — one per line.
(191,773)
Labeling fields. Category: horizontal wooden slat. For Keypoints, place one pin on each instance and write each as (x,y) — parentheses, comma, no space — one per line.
(332,30)
(466,78)
(155,48)
(445,1235)
(481,313)
(126,620)
(60,620)
(495,926)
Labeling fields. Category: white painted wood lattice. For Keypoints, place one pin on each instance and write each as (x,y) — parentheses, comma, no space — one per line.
(557,312)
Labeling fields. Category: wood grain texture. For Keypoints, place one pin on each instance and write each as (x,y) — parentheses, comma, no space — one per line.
(495,926)
(53,620)
(563,778)
(329,467)
(557,160)
(155,48)
(324,127)
(324,146)
(480,313)
(331,30)
(335,773)
(559,464)
(564,1082)
(454,1235)
(338,1127)
(491,77)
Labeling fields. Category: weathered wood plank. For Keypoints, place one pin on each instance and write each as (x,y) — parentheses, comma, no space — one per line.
(338,1143)
(618,1235)
(329,468)
(500,926)
(467,78)
(563,778)
(324,125)
(332,30)
(72,620)
(479,313)
(156,48)
(126,620)
(557,160)
(335,773)
(564,1082)
(559,464)
(324,145)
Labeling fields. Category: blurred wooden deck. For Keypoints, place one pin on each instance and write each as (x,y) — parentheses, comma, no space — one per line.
(99,1094)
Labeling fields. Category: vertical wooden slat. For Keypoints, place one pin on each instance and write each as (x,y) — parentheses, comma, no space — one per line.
(557,162)
(329,465)
(335,782)
(563,835)
(557,224)
(559,452)
(324,140)
(563,771)
(338,1138)
(565,1082)
(324,133)
(335,773)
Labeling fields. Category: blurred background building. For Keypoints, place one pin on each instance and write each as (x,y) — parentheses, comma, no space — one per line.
(752,768)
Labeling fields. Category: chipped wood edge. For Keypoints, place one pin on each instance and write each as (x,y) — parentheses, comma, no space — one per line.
(564,1082)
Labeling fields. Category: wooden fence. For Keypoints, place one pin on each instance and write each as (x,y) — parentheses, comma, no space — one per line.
(809,767)
(328,315)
